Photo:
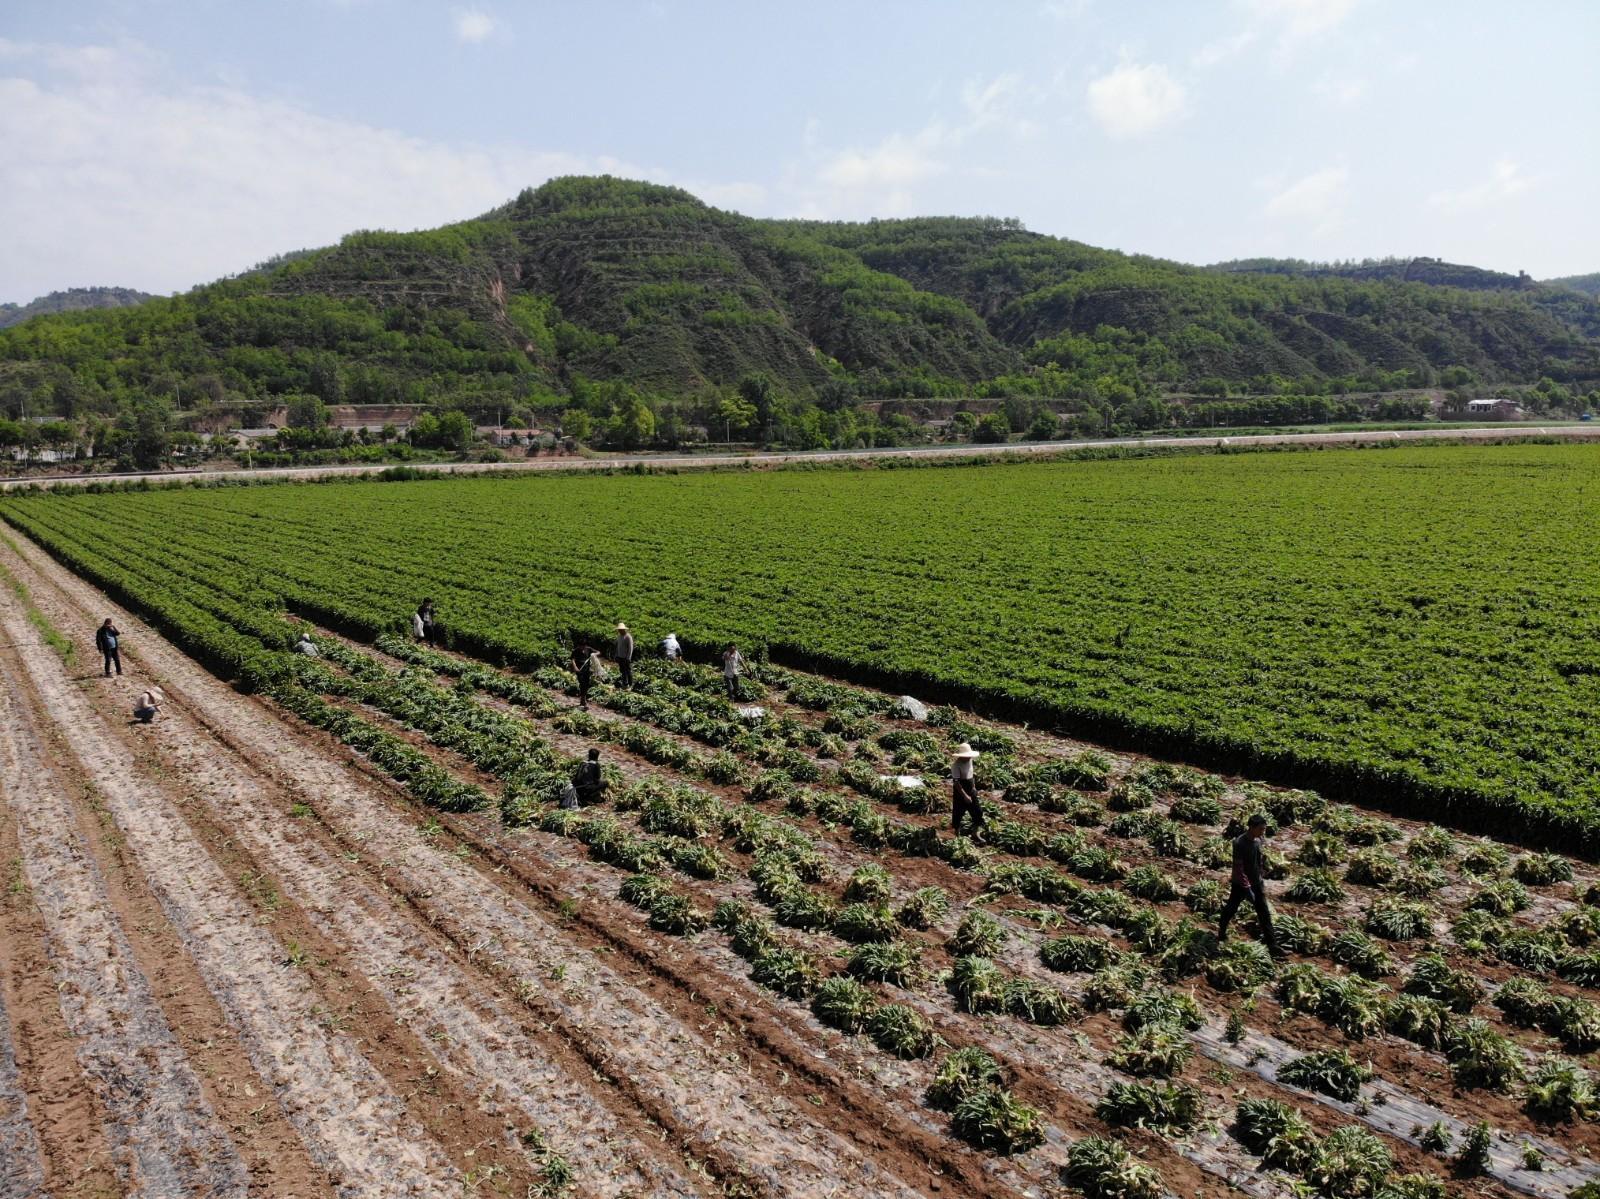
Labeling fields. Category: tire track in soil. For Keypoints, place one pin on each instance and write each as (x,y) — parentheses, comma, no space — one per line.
(351,1123)
(667,1063)
(21,1163)
(505,1081)
(62,1127)
(165,1136)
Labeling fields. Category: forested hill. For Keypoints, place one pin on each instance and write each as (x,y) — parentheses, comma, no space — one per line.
(592,279)
(74,299)
(1588,284)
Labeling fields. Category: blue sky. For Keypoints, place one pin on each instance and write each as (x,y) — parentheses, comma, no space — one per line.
(163,143)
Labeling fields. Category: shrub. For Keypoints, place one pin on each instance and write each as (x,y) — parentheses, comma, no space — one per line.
(1316,885)
(1321,849)
(1354,949)
(1352,1005)
(869,884)
(991,1118)
(861,922)
(1500,898)
(1239,966)
(1424,1021)
(1162,1107)
(1071,954)
(1435,1138)
(1332,1072)
(1130,797)
(1159,1007)
(1205,898)
(978,933)
(1372,831)
(978,984)
(1532,949)
(923,907)
(1350,1162)
(1432,844)
(1486,860)
(1276,1133)
(961,1072)
(789,972)
(1151,883)
(885,962)
(1580,968)
(1399,919)
(1418,880)
(804,909)
(1114,986)
(1015,836)
(1156,1051)
(1214,852)
(1542,869)
(901,1032)
(1477,932)
(1480,1057)
(1097,864)
(1474,1155)
(1526,1002)
(1196,809)
(1372,868)
(1033,1001)
(1188,950)
(843,1003)
(1560,1090)
(1300,936)
(1433,977)
(1103,1168)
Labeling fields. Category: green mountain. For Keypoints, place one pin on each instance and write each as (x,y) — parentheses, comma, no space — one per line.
(74,299)
(1588,284)
(589,280)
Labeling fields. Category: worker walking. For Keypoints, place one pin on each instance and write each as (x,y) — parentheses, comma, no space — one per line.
(964,790)
(1248,884)
(106,640)
(732,668)
(623,653)
(584,665)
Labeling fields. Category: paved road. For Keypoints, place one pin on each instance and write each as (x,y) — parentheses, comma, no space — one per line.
(683,461)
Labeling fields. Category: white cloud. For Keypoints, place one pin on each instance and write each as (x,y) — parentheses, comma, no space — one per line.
(1135,100)
(1224,48)
(1316,200)
(121,180)
(1341,91)
(1506,181)
(473,25)
(1298,20)
(894,162)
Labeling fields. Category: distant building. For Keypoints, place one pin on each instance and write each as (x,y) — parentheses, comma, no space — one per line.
(1498,408)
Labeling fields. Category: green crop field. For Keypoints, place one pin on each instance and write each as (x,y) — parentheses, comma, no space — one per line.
(1417,627)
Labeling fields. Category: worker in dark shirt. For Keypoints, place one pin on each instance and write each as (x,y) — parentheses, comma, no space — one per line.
(590,782)
(1247,883)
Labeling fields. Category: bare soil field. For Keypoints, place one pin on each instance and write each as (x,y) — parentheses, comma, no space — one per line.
(238,957)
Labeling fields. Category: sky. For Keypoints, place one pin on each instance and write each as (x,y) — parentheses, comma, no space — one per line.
(160,144)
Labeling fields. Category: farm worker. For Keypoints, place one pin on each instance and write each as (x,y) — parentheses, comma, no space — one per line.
(106,638)
(591,783)
(964,790)
(670,647)
(732,665)
(149,705)
(306,646)
(583,665)
(423,622)
(1247,883)
(623,653)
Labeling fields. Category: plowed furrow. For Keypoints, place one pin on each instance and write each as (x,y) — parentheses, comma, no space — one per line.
(165,1136)
(683,1077)
(351,1124)
(21,1163)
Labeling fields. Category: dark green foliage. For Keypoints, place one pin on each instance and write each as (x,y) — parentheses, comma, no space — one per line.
(1102,1168)
(1473,1159)
(1500,898)
(1033,1001)
(1399,919)
(978,933)
(885,961)
(1423,1021)
(1480,1057)
(1276,1132)
(962,1072)
(1171,1108)
(1433,977)
(1150,882)
(1239,966)
(862,922)
(1071,954)
(1560,1090)
(1350,1162)
(1353,948)
(901,1032)
(1333,1072)
(1542,869)
(1316,885)
(989,1117)
(923,907)
(1158,1051)
(790,972)
(978,984)
(843,1003)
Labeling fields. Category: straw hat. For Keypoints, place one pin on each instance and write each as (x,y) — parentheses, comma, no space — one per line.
(964,750)
(621,628)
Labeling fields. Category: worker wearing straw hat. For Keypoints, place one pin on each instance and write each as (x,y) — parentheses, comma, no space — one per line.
(964,790)
(623,652)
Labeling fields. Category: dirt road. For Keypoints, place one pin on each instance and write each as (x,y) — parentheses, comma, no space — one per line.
(706,461)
